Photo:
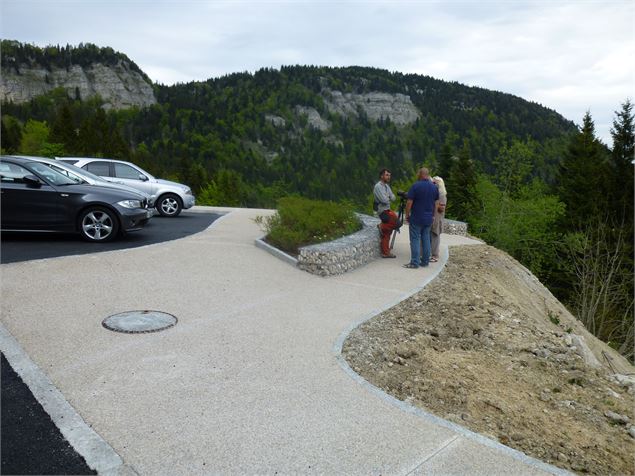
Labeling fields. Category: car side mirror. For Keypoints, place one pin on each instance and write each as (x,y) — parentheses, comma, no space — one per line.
(32,181)
(143,178)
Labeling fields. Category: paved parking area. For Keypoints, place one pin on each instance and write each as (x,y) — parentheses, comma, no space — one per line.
(250,380)
(16,247)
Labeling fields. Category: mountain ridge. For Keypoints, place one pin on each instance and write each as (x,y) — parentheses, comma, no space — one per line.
(83,72)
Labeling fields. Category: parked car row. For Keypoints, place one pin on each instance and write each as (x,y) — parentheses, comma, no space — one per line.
(45,195)
(169,197)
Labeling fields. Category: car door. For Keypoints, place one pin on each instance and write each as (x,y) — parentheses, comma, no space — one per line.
(28,206)
(131,176)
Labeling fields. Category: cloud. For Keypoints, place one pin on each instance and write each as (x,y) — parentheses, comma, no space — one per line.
(566,55)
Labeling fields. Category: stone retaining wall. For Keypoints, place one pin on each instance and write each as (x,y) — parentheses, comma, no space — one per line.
(343,254)
(453,227)
(349,252)
(352,251)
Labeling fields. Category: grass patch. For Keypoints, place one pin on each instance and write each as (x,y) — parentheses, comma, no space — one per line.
(553,318)
(300,222)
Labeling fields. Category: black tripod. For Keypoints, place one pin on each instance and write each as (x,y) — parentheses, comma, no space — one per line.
(402,208)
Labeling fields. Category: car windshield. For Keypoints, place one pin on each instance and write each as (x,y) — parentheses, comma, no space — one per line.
(71,175)
(50,174)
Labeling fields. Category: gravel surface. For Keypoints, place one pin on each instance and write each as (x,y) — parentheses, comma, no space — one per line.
(487,346)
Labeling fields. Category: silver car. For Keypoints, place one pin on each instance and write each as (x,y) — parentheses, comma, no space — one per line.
(169,197)
(80,175)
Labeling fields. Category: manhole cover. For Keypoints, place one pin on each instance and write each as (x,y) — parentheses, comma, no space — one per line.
(134,322)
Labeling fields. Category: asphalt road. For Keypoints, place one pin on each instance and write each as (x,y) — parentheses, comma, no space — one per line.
(30,441)
(15,247)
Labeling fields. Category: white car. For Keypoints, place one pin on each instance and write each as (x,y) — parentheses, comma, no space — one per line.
(169,197)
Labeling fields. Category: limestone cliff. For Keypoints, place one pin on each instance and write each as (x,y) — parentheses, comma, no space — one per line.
(376,105)
(118,85)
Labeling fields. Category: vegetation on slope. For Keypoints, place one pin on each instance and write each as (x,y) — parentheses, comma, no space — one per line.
(527,180)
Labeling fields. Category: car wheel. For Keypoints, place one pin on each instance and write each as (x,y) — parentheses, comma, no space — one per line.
(169,205)
(98,224)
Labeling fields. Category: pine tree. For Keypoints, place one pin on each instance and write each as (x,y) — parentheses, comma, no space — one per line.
(622,156)
(461,186)
(63,130)
(11,134)
(583,176)
(445,160)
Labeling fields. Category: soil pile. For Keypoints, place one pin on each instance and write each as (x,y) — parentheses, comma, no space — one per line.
(487,346)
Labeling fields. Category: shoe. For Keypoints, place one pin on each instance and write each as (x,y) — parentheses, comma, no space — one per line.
(434,260)
(410,266)
(390,255)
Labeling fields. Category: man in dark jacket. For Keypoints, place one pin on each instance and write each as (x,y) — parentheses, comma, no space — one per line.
(423,199)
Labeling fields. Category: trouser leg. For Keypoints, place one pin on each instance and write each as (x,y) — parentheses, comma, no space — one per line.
(425,241)
(435,239)
(415,244)
(386,231)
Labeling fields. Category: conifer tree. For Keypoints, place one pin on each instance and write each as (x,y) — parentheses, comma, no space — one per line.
(622,156)
(63,130)
(461,186)
(11,134)
(445,160)
(583,176)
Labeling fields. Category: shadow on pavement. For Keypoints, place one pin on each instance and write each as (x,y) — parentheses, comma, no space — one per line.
(16,247)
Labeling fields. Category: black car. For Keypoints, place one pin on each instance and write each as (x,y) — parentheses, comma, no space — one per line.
(35,197)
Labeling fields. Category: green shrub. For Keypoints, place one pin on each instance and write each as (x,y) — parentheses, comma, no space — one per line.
(300,222)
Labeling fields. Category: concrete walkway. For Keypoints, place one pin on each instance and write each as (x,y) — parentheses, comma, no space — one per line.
(249,380)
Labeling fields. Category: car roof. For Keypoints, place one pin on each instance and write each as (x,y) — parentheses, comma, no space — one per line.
(17,158)
(105,159)
(33,158)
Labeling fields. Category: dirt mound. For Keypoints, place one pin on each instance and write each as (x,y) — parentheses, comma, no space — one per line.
(487,346)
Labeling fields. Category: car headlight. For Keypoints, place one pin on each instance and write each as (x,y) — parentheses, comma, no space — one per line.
(130,203)
(188,191)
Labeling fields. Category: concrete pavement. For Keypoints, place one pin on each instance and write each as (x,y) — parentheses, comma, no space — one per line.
(250,380)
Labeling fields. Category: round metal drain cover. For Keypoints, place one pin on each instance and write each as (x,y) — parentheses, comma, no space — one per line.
(135,322)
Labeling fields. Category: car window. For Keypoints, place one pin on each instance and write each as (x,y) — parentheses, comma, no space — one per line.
(51,175)
(74,177)
(85,173)
(12,173)
(126,172)
(98,168)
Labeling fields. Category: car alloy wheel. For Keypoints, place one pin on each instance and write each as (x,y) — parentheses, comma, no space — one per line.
(98,224)
(169,205)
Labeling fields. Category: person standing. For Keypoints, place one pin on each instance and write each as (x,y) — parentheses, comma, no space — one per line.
(439,215)
(423,198)
(382,197)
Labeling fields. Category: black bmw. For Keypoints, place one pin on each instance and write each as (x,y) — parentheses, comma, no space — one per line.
(35,197)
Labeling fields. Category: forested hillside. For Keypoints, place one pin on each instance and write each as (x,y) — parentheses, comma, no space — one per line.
(527,180)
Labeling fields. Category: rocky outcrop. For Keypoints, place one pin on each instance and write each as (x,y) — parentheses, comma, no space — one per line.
(118,85)
(376,105)
(276,121)
(313,118)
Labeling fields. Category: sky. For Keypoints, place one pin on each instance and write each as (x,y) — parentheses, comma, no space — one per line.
(570,56)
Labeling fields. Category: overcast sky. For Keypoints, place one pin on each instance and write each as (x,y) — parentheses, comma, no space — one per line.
(571,56)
